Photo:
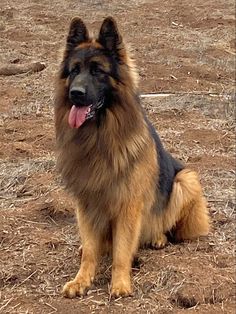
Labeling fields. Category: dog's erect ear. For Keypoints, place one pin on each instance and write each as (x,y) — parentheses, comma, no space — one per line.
(109,36)
(78,34)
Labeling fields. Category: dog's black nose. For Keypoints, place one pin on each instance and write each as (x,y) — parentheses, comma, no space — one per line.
(77,95)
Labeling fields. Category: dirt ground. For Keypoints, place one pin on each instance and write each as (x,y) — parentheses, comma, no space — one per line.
(183,47)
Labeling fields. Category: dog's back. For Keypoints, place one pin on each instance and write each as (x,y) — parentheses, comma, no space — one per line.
(168,168)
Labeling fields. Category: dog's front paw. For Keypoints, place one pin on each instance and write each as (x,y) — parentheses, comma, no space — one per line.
(121,289)
(76,287)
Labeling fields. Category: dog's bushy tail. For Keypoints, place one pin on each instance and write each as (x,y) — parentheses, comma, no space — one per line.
(187,199)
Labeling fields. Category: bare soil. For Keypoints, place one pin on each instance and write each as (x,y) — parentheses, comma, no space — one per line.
(183,47)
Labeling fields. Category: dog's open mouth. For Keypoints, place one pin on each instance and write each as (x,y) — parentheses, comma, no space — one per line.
(78,115)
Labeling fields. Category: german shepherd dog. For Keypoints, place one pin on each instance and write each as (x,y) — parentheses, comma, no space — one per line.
(129,190)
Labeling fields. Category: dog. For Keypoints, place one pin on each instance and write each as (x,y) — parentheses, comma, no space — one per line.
(130,192)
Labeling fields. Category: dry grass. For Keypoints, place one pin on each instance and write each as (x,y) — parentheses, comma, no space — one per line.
(16,187)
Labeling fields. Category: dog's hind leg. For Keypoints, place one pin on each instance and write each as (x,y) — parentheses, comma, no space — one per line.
(186,215)
(194,221)
(152,235)
(189,204)
(159,241)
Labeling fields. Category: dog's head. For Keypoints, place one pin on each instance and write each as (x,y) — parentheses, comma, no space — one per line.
(93,69)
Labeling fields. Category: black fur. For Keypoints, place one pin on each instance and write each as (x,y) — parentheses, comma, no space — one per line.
(168,168)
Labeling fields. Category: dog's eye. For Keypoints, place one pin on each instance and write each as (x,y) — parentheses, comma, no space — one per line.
(95,69)
(76,69)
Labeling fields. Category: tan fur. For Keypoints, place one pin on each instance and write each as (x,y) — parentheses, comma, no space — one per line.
(186,213)
(131,64)
(112,172)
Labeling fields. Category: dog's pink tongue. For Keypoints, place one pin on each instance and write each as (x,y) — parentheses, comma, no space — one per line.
(77,116)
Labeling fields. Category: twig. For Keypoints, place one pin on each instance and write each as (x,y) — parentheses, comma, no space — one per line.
(1,308)
(197,93)
(14,69)
(21,283)
(52,307)
(33,222)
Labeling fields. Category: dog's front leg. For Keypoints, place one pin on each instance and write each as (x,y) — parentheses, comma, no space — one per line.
(91,242)
(125,234)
